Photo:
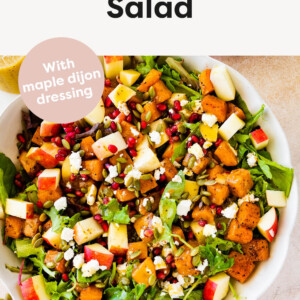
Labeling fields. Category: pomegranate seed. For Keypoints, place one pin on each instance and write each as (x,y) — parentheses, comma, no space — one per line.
(63,152)
(112,148)
(98,218)
(77,130)
(173,265)
(219,226)
(115,113)
(71,134)
(115,185)
(113,125)
(148,232)
(68,190)
(39,204)
(156,251)
(187,218)
(119,260)
(193,118)
(168,132)
(131,142)
(108,102)
(65,277)
(143,124)
(132,105)
(21,138)
(18,176)
(18,183)
(177,105)
(161,107)
(72,177)
(190,235)
(107,82)
(219,210)
(122,175)
(104,226)
(174,129)
(132,152)
(189,144)
(213,206)
(105,200)
(64,125)
(218,142)
(202,223)
(174,280)
(84,177)
(68,139)
(59,157)
(160,275)
(176,116)
(131,204)
(174,139)
(79,193)
(132,213)
(169,258)
(69,129)
(163,177)
(110,115)
(195,139)
(202,141)
(57,141)
(204,151)
(129,118)
(47,139)
(87,129)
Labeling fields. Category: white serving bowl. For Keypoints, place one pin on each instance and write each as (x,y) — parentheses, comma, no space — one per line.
(266,272)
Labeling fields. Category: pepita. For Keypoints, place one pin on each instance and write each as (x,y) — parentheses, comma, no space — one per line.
(196,260)
(146,177)
(140,108)
(119,180)
(151,92)
(195,251)
(119,168)
(135,254)
(152,279)
(128,169)
(136,114)
(35,238)
(59,257)
(66,144)
(119,127)
(81,153)
(85,172)
(70,195)
(50,265)
(38,243)
(76,147)
(206,193)
(191,162)
(48,204)
(98,134)
(148,116)
(85,213)
(179,252)
(104,173)
(43,217)
(210,182)
(122,160)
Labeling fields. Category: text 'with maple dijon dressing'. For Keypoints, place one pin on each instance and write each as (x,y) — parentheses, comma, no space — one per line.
(140,9)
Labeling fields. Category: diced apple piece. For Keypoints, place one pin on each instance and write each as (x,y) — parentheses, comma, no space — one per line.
(231,126)
(117,239)
(143,144)
(42,157)
(222,83)
(87,230)
(49,179)
(198,232)
(50,148)
(19,208)
(66,170)
(276,198)
(159,126)
(49,129)
(98,252)
(91,194)
(100,147)
(1,212)
(96,115)
(52,238)
(192,188)
(259,139)
(129,77)
(209,133)
(121,94)
(34,288)
(146,161)
(267,225)
(216,287)
(113,65)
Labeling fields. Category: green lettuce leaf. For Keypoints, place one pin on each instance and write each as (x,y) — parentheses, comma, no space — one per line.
(175,189)
(145,67)
(125,292)
(114,212)
(252,120)
(24,248)
(58,291)
(223,245)
(96,276)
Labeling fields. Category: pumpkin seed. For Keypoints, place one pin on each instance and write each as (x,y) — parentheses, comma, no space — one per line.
(169,120)
(196,198)
(140,108)
(82,200)
(146,95)
(35,238)
(100,285)
(67,263)
(185,195)
(137,184)
(119,180)
(76,147)
(84,190)
(179,252)
(50,265)
(38,243)
(98,134)
(43,217)
(138,125)
(191,162)
(65,247)
(146,130)
(71,195)
(156,234)
(136,114)
(151,92)
(205,200)
(196,260)
(63,243)
(129,181)
(195,251)
(48,204)
(82,284)
(107,122)
(119,168)
(202,176)
(212,164)
(85,213)
(104,173)
(137,202)
(146,177)
(40,229)
(85,172)
(135,254)
(136,193)
(119,127)
(59,257)
(206,193)
(210,182)
(201,182)
(152,279)
(108,192)
(149,140)
(148,116)
(81,153)
(145,102)
(186,224)
(159,128)
(131,189)
(128,169)
(122,160)
(66,144)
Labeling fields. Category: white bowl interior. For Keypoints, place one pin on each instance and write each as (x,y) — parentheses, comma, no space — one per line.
(266,272)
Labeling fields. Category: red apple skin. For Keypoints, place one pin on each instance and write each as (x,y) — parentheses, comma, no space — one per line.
(46,183)
(274,227)
(209,290)
(43,158)
(104,259)
(111,59)
(259,136)
(49,129)
(29,211)
(118,250)
(28,291)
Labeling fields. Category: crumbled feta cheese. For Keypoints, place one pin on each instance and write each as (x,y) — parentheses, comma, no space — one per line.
(67,234)
(75,162)
(209,119)
(159,172)
(122,106)
(209,230)
(61,203)
(151,199)
(184,102)
(90,199)
(134,173)
(142,234)
(69,185)
(134,131)
(157,223)
(90,268)
(124,281)
(171,111)
(69,254)
(252,160)
(159,263)
(207,144)
(187,172)
(184,281)
(109,179)
(230,211)
(145,201)
(202,266)
(176,164)
(177,178)
(166,251)
(133,219)
(176,243)
(106,120)
(197,108)
(72,244)
(113,171)
(155,137)
(121,269)
(78,261)
(167,195)
(248,198)
(184,207)
(175,290)
(196,150)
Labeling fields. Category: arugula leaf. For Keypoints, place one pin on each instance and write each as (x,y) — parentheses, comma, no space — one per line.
(3,192)
(167,211)
(175,189)
(96,276)
(58,291)
(265,168)
(238,101)
(38,262)
(9,173)
(223,245)
(145,67)
(113,212)
(196,295)
(124,292)
(252,120)
(24,248)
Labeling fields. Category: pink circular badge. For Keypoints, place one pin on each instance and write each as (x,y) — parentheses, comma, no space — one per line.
(61,80)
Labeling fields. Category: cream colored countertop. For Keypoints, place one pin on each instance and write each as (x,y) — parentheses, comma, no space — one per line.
(277,80)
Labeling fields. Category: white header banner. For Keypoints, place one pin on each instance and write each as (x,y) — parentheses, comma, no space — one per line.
(177,27)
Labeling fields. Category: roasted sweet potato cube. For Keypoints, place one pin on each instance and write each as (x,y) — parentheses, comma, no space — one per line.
(106,91)
(249,215)
(215,171)
(233,109)
(30,166)
(91,293)
(162,93)
(51,257)
(37,139)
(114,159)
(200,164)
(144,271)
(238,233)
(86,146)
(213,105)
(205,83)
(257,250)
(204,213)
(226,154)
(155,113)
(31,226)
(170,170)
(95,166)
(142,225)
(240,182)
(129,130)
(47,225)
(219,193)
(45,195)
(152,77)
(13,227)
(123,195)
(242,267)
(137,246)
(149,205)
(148,185)
(178,231)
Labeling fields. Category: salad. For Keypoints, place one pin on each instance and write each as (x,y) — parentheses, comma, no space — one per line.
(165,190)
